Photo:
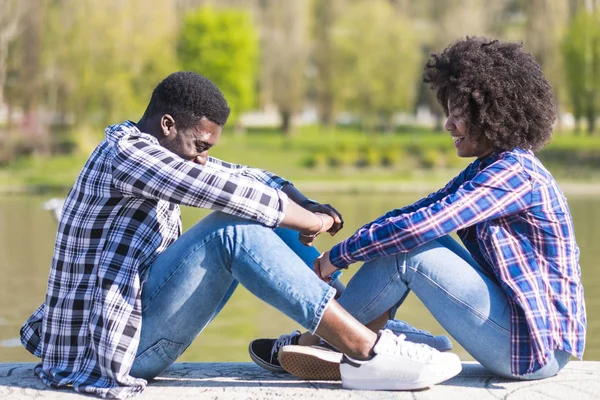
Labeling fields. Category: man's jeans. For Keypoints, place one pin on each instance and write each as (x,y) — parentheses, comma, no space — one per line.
(462,296)
(189,283)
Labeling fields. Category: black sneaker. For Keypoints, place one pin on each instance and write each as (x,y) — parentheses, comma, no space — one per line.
(265,352)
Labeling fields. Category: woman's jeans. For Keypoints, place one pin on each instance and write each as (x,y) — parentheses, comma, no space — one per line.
(189,283)
(461,295)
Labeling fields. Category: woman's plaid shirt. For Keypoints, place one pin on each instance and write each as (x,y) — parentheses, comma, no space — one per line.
(121,213)
(514,220)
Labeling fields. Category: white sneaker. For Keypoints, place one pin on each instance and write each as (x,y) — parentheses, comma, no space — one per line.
(399,365)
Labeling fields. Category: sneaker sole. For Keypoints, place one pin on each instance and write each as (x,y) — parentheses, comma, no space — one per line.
(311,362)
(393,384)
(262,363)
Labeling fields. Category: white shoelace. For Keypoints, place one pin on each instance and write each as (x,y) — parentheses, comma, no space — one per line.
(281,341)
(393,344)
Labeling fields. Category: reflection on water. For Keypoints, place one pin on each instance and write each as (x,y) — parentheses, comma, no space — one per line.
(27,236)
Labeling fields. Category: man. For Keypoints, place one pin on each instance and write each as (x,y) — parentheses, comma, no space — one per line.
(102,331)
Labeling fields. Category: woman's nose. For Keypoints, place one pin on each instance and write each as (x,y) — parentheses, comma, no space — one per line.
(449,125)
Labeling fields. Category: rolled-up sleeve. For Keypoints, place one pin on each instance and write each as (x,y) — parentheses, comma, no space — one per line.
(141,168)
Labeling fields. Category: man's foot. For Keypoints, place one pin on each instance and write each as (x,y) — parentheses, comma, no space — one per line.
(440,343)
(265,352)
(398,364)
(319,362)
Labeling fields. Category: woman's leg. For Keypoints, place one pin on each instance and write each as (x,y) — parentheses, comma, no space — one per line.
(466,300)
(308,254)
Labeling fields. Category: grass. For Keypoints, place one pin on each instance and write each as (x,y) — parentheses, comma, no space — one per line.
(316,154)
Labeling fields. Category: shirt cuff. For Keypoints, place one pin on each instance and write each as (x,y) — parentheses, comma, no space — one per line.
(338,257)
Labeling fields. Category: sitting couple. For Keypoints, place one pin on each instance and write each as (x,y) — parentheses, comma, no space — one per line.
(127,292)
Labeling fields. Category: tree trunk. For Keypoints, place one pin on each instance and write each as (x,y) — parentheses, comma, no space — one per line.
(286,123)
(591,120)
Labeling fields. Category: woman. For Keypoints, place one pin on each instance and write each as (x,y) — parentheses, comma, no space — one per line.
(512,296)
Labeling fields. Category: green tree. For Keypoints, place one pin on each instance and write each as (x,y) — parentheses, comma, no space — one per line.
(581,54)
(222,45)
(102,59)
(285,56)
(545,27)
(325,14)
(377,62)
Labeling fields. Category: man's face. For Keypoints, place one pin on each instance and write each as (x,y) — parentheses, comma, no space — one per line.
(467,144)
(191,144)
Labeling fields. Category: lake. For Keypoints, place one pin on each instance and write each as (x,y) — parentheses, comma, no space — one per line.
(27,237)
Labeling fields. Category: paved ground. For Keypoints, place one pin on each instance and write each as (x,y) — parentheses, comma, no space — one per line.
(578,381)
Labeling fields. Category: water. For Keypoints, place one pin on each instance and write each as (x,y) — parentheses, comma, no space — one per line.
(27,236)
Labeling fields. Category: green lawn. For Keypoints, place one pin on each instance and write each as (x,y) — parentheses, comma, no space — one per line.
(336,155)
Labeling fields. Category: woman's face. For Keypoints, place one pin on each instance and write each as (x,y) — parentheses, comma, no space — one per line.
(466,143)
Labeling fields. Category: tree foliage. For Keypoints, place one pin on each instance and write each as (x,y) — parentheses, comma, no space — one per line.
(104,58)
(581,53)
(377,62)
(222,45)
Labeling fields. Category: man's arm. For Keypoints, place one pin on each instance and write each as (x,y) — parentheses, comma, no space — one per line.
(287,187)
(257,174)
(143,169)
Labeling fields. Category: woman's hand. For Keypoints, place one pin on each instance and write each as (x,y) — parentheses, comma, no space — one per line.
(324,268)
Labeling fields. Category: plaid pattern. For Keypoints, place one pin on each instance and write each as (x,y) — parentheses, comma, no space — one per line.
(514,220)
(121,213)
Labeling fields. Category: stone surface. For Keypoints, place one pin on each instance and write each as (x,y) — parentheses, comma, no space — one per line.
(578,381)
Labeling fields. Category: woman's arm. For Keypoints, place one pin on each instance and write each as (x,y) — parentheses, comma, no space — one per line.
(501,189)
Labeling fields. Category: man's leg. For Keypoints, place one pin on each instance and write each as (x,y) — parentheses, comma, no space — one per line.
(466,300)
(189,283)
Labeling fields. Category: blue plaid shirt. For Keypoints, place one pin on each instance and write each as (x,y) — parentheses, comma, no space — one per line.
(119,216)
(514,220)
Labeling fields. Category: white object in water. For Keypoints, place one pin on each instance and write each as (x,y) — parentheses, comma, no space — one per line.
(55,206)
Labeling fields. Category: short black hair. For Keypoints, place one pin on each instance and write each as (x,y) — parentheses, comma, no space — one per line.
(498,88)
(188,97)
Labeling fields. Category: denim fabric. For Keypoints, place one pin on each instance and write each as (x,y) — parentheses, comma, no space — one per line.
(467,301)
(193,279)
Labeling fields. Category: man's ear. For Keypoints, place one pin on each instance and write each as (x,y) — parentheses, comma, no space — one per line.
(167,124)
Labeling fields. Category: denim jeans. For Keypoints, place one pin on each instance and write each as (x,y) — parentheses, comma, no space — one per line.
(190,282)
(466,300)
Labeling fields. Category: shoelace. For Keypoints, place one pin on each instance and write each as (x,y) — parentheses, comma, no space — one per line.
(281,341)
(398,345)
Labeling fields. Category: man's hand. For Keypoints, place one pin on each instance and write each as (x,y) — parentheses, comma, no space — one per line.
(324,268)
(324,225)
(338,221)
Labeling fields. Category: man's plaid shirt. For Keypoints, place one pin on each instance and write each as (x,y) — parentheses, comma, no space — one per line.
(515,222)
(119,216)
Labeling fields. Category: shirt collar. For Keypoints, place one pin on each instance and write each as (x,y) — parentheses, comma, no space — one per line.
(488,160)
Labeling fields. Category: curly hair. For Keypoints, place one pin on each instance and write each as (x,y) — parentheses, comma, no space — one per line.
(188,97)
(498,88)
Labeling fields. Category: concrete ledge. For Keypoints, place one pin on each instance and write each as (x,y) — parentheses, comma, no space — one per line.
(580,380)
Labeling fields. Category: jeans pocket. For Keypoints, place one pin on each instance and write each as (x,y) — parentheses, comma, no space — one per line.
(156,359)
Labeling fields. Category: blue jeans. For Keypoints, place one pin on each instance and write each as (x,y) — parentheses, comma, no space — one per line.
(190,282)
(466,300)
